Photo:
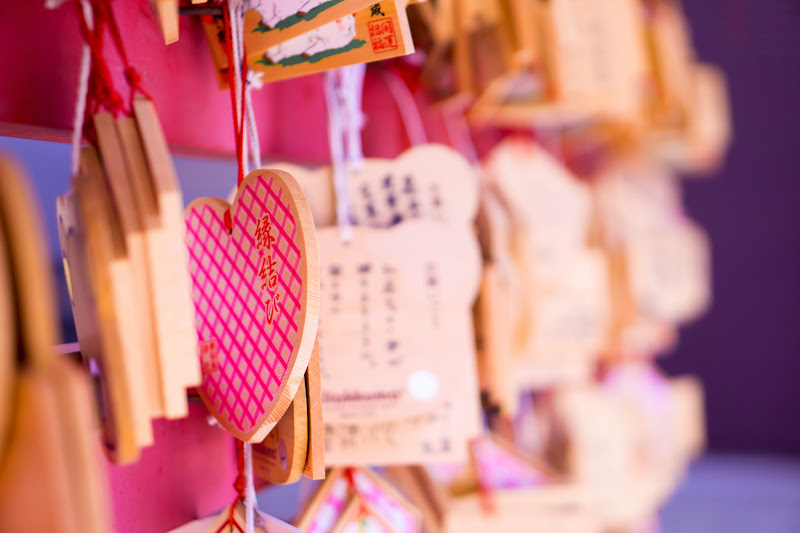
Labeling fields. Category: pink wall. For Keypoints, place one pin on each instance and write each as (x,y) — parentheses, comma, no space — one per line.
(188,473)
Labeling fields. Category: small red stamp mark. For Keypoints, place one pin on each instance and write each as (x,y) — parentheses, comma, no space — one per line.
(208,356)
(381,35)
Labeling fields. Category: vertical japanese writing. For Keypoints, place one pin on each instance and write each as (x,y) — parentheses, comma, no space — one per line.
(267,272)
(370,206)
(411,193)
(335,297)
(363,274)
(392,344)
(391,201)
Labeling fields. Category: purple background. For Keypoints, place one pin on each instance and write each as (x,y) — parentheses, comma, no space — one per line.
(747,349)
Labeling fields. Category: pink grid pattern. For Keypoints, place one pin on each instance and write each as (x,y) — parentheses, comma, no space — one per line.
(253,355)
(499,469)
(395,514)
(331,509)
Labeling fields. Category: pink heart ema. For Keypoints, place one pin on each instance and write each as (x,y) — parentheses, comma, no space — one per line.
(246,288)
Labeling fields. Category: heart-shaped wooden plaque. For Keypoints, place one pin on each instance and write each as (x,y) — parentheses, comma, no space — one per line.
(256,294)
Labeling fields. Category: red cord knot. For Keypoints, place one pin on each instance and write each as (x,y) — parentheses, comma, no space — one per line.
(239,484)
(228,222)
(111,98)
(133,78)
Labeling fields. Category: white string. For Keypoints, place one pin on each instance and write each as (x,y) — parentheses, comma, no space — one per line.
(253,82)
(409,112)
(352,91)
(333,83)
(236,14)
(249,490)
(83,88)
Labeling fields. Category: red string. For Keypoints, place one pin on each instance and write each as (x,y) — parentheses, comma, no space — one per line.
(131,75)
(351,479)
(238,125)
(102,94)
(239,486)
(101,85)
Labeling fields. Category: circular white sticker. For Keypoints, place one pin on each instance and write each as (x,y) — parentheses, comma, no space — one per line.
(423,386)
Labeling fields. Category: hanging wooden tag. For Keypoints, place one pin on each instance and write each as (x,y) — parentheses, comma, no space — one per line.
(663,456)
(483,49)
(670,272)
(144,376)
(596,56)
(422,492)
(256,294)
(429,181)
(494,336)
(87,477)
(544,196)
(315,461)
(30,269)
(604,453)
(360,517)
(109,275)
(550,212)
(170,281)
(498,465)
(281,457)
(503,312)
(711,128)
(127,174)
(508,285)
(269,23)
(378,32)
(32,440)
(439,74)
(166,12)
(331,508)
(698,143)
(35,470)
(671,60)
(322,512)
(573,316)
(396,321)
(386,502)
(525,22)
(41,469)
(664,257)
(84,308)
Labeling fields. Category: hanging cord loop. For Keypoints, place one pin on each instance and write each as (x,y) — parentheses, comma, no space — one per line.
(343,89)
(96,88)
(409,112)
